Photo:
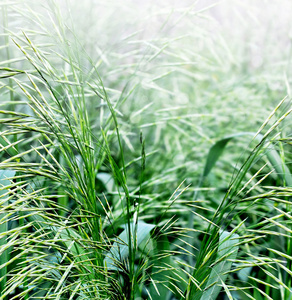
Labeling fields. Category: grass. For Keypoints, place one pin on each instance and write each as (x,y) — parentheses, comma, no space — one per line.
(135,168)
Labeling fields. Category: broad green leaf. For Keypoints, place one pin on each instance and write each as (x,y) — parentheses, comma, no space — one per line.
(277,163)
(244,273)
(227,251)
(159,277)
(272,154)
(120,248)
(217,149)
(4,180)
(107,180)
(167,273)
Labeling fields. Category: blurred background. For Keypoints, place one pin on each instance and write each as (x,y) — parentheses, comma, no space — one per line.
(193,71)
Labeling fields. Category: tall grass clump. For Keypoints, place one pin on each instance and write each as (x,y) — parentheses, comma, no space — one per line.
(118,176)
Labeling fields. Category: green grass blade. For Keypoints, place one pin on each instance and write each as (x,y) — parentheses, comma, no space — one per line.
(160,280)
(4,255)
(120,248)
(273,156)
(217,150)
(227,251)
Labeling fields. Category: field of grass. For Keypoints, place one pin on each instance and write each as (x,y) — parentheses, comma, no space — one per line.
(145,150)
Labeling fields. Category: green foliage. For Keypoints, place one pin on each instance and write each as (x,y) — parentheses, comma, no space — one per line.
(5,183)
(226,254)
(134,168)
